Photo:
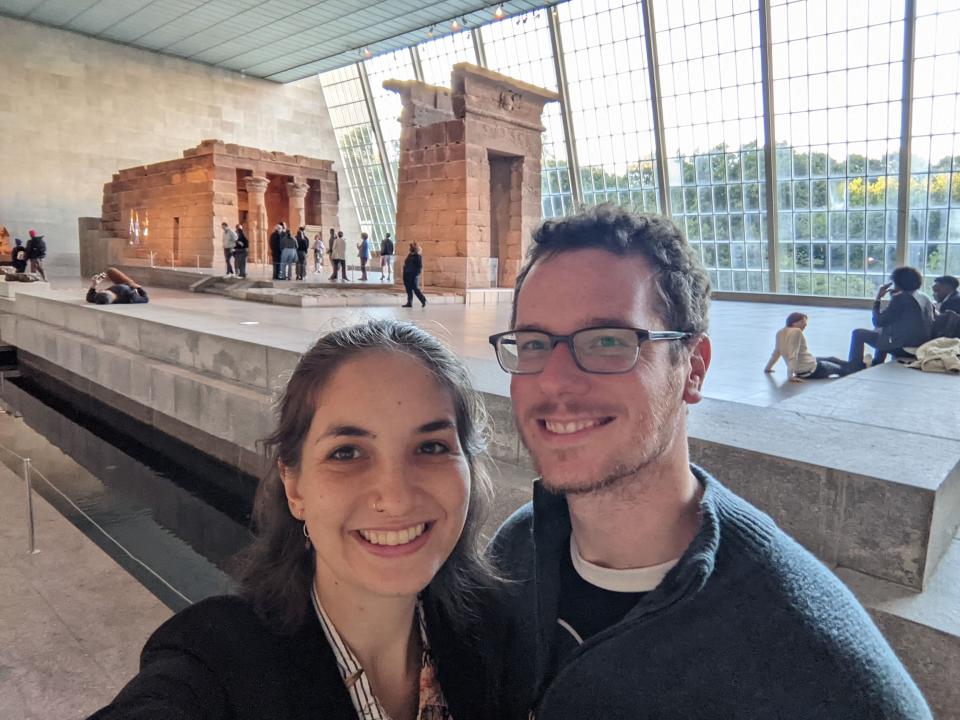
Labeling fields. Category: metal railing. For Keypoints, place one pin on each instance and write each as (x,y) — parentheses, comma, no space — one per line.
(29,470)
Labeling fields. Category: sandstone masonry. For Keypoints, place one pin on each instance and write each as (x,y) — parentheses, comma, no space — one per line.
(469,175)
(173,209)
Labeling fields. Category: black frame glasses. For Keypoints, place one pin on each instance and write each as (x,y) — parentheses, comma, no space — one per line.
(592,350)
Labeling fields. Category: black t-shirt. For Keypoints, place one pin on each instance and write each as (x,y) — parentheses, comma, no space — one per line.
(585,609)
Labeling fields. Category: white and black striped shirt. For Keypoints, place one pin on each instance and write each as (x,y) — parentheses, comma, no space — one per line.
(431,702)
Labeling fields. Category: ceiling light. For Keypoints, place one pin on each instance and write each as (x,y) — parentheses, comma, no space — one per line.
(430,32)
(455,25)
(367,53)
(499,13)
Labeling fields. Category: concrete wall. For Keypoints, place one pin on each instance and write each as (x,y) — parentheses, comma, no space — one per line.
(74,110)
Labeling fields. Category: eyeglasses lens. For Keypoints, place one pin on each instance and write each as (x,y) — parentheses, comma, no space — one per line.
(606,350)
(599,350)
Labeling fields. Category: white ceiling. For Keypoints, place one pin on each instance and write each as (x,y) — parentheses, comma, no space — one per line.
(279,40)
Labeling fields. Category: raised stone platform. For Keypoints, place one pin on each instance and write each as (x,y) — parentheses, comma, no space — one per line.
(9,289)
(878,499)
(305,293)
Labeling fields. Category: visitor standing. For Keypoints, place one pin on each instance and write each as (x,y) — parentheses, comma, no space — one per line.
(412,269)
(303,247)
(240,250)
(318,250)
(19,256)
(330,241)
(275,237)
(363,250)
(386,259)
(338,254)
(288,255)
(36,253)
(229,243)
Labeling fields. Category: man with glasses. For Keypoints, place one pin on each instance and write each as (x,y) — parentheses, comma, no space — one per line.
(642,587)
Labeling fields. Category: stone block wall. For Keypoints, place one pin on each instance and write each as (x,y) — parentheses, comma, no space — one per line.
(187,199)
(181,188)
(447,144)
(74,109)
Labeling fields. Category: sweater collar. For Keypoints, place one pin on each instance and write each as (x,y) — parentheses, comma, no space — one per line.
(552,529)
(551,537)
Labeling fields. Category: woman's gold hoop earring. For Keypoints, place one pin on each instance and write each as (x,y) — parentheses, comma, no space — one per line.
(306,534)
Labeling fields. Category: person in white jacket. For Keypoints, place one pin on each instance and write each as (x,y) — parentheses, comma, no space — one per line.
(791,345)
(338,254)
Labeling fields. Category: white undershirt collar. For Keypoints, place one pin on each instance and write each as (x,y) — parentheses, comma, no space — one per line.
(633,580)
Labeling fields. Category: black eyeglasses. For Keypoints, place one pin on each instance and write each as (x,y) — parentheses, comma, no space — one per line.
(601,350)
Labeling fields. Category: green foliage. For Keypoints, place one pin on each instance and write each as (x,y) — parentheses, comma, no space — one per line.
(836,219)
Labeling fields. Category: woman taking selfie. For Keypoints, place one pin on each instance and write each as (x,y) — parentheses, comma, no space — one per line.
(359,593)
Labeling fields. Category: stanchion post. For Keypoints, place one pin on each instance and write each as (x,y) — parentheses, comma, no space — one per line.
(31,534)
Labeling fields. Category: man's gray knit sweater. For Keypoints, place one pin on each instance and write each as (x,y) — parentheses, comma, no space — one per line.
(748,624)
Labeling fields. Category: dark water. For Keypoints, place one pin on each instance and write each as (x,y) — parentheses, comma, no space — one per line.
(181,513)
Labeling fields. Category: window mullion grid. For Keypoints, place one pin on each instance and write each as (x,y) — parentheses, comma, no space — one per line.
(769,149)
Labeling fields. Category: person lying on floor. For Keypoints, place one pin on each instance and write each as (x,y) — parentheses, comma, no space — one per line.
(123,291)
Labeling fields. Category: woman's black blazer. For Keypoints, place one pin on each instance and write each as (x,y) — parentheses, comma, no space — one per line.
(217,660)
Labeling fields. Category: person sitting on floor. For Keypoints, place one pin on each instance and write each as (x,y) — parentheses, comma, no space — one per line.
(791,345)
(945,291)
(123,291)
(906,321)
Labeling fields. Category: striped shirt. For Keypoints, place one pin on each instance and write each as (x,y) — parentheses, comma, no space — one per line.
(431,703)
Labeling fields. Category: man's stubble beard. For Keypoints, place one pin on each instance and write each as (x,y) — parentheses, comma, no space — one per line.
(620,474)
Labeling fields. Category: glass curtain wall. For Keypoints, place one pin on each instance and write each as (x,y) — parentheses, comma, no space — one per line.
(837,84)
(933,233)
(437,57)
(606,62)
(343,92)
(521,47)
(388,105)
(712,96)
(836,74)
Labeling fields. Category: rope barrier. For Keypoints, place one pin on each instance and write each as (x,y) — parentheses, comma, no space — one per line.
(29,470)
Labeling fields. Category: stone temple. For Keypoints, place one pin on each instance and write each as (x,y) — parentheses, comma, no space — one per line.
(469,176)
(171,211)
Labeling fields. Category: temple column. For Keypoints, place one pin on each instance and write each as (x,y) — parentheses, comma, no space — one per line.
(297,192)
(256,217)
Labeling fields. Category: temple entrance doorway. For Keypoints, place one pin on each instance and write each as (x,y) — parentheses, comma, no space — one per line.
(505,174)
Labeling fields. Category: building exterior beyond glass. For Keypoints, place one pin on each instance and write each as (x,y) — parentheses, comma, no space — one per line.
(681,102)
